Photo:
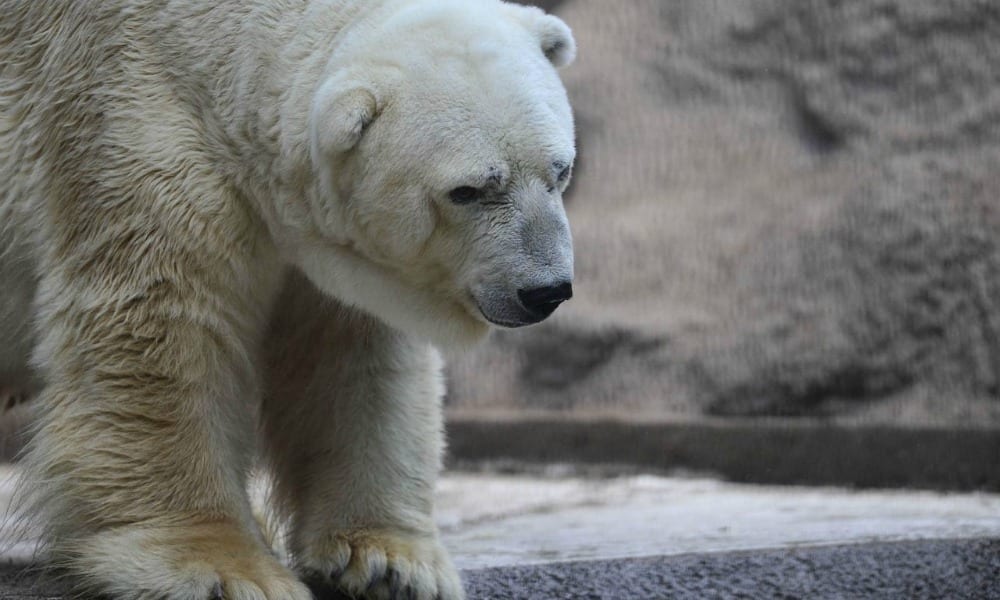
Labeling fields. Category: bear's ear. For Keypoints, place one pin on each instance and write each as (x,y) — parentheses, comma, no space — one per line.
(554,36)
(339,117)
(556,39)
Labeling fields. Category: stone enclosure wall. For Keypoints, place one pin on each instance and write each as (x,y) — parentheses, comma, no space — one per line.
(780,208)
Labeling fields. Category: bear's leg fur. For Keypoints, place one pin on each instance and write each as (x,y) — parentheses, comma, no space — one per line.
(353,426)
(138,466)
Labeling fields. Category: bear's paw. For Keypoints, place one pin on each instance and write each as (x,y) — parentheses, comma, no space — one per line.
(213,561)
(382,565)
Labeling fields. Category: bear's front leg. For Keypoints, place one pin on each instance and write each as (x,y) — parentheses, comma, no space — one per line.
(353,423)
(138,469)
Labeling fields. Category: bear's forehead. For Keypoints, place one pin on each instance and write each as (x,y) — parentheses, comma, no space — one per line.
(450,19)
(439,151)
(475,33)
(472,87)
(477,91)
(499,129)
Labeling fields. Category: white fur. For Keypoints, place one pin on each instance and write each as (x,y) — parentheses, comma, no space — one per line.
(171,171)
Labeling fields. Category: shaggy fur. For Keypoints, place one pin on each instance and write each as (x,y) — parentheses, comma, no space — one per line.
(195,195)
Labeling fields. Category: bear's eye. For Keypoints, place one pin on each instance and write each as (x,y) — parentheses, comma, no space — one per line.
(465,194)
(563,174)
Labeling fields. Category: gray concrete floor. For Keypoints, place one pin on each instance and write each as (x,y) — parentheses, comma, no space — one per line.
(918,570)
(556,534)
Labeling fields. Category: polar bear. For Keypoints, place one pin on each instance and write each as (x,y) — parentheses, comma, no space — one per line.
(255,220)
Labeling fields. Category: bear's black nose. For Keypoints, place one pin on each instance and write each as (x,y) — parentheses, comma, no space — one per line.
(542,301)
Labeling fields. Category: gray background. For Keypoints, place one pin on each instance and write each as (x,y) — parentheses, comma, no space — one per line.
(780,208)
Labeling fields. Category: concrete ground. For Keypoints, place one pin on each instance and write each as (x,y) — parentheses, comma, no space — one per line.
(559,533)
(923,570)
(491,520)
(927,569)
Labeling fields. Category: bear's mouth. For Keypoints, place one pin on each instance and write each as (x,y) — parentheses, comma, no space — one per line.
(511,314)
(506,323)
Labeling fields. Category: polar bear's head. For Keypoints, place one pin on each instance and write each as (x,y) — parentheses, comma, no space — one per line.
(442,140)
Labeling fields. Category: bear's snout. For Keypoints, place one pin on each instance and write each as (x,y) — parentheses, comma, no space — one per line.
(526,306)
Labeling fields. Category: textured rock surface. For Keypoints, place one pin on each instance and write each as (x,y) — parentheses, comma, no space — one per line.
(780,208)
